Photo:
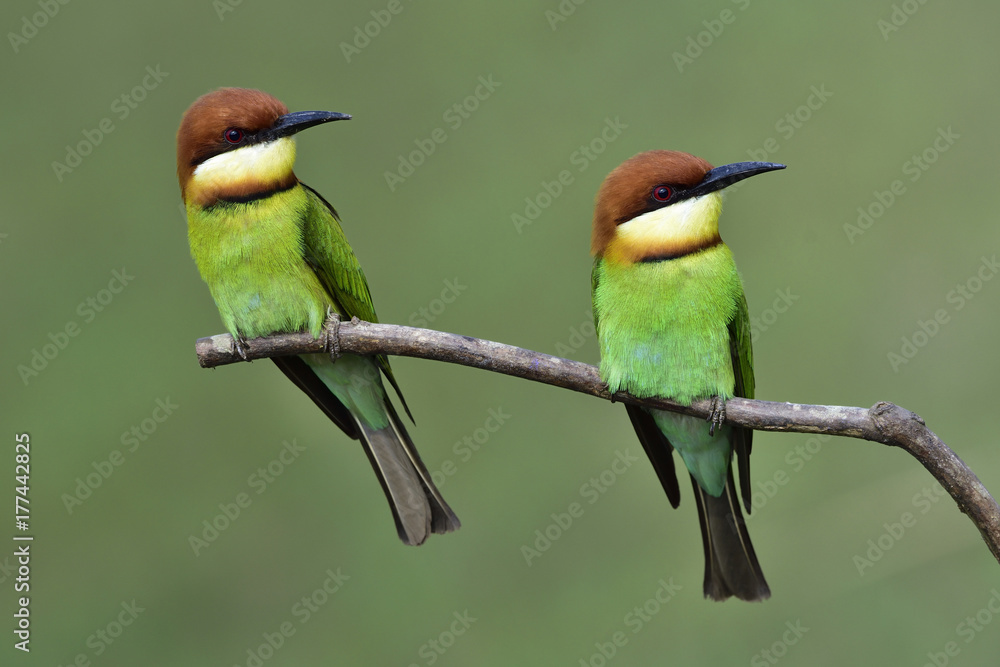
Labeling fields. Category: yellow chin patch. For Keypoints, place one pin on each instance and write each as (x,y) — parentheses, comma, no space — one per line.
(669,231)
(250,168)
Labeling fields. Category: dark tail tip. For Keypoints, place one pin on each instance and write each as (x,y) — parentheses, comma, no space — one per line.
(731,567)
(417,506)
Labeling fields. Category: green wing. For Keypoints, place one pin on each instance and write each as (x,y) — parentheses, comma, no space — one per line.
(331,258)
(742,350)
(741,354)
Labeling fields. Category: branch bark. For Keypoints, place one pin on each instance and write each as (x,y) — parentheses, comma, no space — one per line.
(884,422)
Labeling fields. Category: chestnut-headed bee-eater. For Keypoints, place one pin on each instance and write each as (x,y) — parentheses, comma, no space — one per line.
(672,321)
(276,260)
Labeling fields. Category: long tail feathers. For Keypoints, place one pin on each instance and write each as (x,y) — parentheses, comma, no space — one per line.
(417,505)
(731,567)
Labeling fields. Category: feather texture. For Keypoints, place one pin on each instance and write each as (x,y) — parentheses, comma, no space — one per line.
(276,259)
(672,321)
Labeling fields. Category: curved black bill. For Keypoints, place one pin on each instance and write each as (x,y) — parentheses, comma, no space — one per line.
(726,175)
(291,123)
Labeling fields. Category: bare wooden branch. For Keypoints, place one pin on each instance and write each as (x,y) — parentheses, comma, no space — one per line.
(883,423)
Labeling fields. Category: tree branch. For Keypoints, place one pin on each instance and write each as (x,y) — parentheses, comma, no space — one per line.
(883,423)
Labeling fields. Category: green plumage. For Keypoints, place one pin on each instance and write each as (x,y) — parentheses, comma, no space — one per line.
(664,331)
(678,328)
(281,263)
(252,256)
(276,261)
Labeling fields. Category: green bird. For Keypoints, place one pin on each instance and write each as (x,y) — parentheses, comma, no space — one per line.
(275,258)
(671,318)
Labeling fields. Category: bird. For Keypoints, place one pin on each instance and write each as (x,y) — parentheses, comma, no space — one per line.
(672,322)
(275,258)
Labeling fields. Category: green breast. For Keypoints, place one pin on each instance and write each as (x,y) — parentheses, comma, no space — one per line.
(251,257)
(663,325)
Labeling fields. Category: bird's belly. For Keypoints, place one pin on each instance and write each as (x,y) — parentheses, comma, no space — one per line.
(261,302)
(251,258)
(664,328)
(683,362)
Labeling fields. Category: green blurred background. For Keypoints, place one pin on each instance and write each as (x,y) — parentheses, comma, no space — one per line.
(844,100)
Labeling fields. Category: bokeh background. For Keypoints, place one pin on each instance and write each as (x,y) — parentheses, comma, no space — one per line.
(852,96)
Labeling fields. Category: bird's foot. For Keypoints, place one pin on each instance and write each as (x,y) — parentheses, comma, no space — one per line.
(717,416)
(332,334)
(241,345)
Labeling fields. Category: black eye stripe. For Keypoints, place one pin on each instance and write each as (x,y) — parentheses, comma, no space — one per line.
(660,195)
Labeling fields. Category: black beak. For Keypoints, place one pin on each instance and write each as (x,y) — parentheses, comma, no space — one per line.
(726,175)
(291,123)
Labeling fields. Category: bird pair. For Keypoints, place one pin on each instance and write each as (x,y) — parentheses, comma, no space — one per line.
(668,304)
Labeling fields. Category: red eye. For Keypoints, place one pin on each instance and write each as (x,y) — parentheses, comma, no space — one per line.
(662,193)
(233,135)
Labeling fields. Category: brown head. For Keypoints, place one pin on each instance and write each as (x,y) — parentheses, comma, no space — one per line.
(663,204)
(236,142)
